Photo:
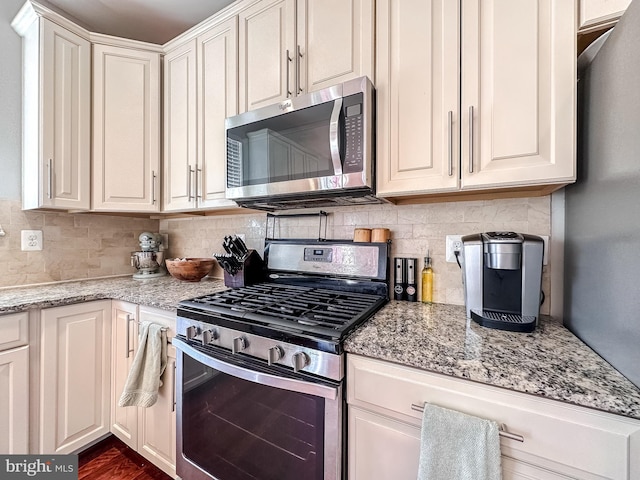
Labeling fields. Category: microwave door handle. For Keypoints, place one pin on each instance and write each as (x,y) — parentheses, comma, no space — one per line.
(334,137)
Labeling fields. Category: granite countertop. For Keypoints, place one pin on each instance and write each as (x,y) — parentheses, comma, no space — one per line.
(162,292)
(550,362)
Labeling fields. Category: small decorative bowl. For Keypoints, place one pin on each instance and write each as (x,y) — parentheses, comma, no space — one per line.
(189,269)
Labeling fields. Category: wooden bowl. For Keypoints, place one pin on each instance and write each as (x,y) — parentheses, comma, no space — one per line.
(189,269)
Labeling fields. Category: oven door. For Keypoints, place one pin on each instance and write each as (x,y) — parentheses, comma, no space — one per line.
(240,420)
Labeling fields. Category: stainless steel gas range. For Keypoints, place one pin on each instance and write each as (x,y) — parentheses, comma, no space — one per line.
(260,369)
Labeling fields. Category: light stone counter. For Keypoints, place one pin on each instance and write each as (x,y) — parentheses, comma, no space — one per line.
(163,292)
(550,362)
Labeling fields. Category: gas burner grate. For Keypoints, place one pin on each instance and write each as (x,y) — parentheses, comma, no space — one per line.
(309,310)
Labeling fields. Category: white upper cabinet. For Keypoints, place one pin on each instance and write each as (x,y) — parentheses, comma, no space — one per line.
(417,96)
(126,129)
(56,136)
(200,91)
(518,93)
(267,45)
(180,118)
(334,42)
(290,47)
(514,71)
(597,14)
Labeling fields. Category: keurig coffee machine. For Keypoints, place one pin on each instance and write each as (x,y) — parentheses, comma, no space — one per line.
(502,276)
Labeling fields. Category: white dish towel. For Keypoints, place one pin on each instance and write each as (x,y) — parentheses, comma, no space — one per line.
(143,382)
(457,446)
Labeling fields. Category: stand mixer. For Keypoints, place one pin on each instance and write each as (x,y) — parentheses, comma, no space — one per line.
(148,260)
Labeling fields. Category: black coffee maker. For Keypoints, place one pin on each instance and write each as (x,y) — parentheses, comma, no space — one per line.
(502,276)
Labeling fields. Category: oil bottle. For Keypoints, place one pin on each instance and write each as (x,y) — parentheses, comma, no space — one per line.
(427,280)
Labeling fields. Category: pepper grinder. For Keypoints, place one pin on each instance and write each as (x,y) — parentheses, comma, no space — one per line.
(412,284)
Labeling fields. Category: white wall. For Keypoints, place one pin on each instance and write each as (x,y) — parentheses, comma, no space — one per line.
(10,102)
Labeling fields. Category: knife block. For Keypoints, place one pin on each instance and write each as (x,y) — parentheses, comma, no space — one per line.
(252,271)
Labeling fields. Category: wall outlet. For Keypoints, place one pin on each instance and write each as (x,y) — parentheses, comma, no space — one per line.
(545,251)
(454,244)
(31,240)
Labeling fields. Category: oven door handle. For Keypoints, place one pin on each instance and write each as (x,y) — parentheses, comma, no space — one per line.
(293,385)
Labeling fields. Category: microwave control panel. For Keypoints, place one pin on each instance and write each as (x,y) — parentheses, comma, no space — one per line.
(352,108)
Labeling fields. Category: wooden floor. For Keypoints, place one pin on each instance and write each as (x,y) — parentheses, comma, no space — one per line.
(113,460)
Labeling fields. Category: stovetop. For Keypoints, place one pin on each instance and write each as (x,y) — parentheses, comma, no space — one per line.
(286,310)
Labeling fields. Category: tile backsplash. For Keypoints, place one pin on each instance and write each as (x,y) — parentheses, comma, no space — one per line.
(414,229)
(82,245)
(76,246)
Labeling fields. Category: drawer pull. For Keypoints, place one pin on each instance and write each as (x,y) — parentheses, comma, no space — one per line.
(503,429)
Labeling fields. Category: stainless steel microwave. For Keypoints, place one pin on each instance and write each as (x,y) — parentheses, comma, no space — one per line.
(309,151)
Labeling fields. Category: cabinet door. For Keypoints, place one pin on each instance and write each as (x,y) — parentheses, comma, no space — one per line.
(180,117)
(381,448)
(267,48)
(518,92)
(218,99)
(124,420)
(157,424)
(14,401)
(64,128)
(417,96)
(75,376)
(126,129)
(334,43)
(595,14)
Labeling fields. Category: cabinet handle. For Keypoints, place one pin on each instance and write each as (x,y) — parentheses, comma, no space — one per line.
(502,432)
(471,139)
(288,59)
(153,187)
(128,336)
(190,185)
(298,62)
(173,390)
(49,178)
(450,139)
(198,180)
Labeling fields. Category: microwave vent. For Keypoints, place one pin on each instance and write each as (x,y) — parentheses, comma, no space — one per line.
(234,163)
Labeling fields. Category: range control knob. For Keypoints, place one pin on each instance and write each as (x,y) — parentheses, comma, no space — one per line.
(299,360)
(208,336)
(192,332)
(274,354)
(239,344)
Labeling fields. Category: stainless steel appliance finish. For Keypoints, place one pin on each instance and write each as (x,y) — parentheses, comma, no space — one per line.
(262,366)
(312,150)
(148,260)
(602,209)
(502,275)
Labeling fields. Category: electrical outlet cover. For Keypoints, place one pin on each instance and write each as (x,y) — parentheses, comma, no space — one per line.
(31,240)
(454,243)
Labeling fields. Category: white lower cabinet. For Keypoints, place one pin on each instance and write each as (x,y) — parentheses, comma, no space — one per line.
(561,441)
(150,431)
(75,364)
(14,384)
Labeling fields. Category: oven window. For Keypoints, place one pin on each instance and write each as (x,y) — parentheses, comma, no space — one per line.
(238,430)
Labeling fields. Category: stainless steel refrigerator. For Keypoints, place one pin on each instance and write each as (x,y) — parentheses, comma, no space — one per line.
(602,236)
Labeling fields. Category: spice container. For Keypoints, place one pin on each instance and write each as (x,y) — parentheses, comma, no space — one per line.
(362,235)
